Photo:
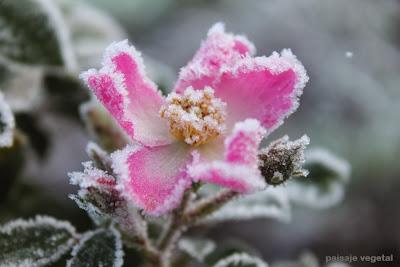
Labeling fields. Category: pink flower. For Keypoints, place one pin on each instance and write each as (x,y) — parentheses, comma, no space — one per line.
(208,129)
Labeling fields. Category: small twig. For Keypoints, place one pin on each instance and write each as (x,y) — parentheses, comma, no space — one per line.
(175,223)
(207,206)
(172,232)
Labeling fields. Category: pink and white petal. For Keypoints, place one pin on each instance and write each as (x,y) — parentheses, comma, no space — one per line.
(263,88)
(220,49)
(124,89)
(239,170)
(153,178)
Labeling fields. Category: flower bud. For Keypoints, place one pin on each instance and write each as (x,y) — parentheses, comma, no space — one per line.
(283,159)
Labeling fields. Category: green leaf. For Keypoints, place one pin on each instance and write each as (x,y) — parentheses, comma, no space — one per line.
(65,93)
(197,248)
(33,32)
(102,247)
(36,242)
(240,260)
(325,184)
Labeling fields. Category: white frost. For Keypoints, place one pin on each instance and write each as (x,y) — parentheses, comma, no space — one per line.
(241,259)
(39,221)
(196,247)
(118,253)
(270,203)
(8,123)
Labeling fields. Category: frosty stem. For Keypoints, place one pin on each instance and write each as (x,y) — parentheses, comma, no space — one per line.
(181,219)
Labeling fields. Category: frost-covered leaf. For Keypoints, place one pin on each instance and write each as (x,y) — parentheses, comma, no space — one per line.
(35,242)
(306,260)
(102,127)
(31,125)
(241,260)
(325,184)
(64,93)
(91,31)
(7,124)
(197,248)
(102,247)
(270,203)
(33,32)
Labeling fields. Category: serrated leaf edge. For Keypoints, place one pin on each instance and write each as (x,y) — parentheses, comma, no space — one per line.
(41,220)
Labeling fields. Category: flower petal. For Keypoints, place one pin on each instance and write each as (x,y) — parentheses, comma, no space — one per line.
(218,50)
(123,88)
(153,178)
(239,170)
(263,88)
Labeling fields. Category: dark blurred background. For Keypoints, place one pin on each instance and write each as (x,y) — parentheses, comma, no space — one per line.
(351,49)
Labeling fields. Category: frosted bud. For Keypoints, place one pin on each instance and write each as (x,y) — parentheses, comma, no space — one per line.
(283,159)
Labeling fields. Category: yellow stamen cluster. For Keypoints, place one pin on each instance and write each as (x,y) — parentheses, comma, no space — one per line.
(195,117)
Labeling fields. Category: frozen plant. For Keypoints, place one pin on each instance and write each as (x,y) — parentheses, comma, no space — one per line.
(190,158)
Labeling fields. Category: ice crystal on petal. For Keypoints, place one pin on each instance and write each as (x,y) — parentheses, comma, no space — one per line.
(144,183)
(239,169)
(219,50)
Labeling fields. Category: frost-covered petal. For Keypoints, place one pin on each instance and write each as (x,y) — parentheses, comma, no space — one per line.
(7,123)
(239,169)
(218,50)
(153,178)
(263,88)
(124,89)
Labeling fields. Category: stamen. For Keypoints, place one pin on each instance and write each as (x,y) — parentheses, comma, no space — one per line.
(196,117)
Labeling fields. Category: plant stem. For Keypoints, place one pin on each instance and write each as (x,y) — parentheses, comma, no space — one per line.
(172,232)
(180,220)
(207,206)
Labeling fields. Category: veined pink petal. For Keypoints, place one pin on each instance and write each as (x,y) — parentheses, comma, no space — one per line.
(153,178)
(218,50)
(239,170)
(263,88)
(124,89)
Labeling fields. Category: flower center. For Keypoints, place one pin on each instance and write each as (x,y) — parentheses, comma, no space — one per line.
(196,117)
